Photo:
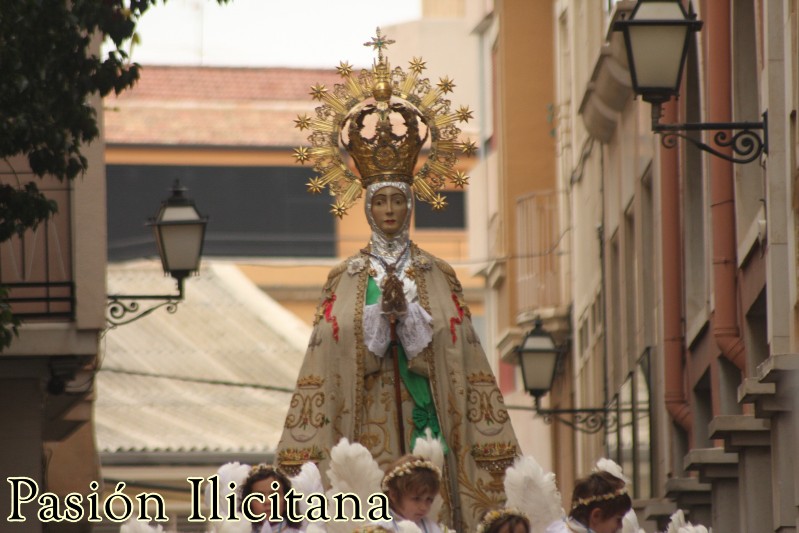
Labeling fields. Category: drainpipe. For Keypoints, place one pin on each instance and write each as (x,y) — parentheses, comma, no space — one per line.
(726,328)
(676,403)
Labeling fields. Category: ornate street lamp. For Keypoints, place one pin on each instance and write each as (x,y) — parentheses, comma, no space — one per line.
(539,359)
(179,234)
(657,36)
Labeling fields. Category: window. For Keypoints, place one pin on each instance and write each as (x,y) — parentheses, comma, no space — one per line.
(452,217)
(629,441)
(253,211)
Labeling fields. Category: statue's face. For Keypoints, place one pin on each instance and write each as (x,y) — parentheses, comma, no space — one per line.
(389,209)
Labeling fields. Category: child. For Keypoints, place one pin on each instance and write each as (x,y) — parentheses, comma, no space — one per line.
(599,502)
(260,480)
(507,520)
(411,484)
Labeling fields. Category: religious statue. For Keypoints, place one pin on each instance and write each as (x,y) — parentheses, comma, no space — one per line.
(393,354)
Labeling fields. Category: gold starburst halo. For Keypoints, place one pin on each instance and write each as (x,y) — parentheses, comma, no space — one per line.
(302,122)
(469,147)
(439,202)
(342,103)
(460,179)
(301,154)
(417,65)
(339,209)
(314,186)
(344,69)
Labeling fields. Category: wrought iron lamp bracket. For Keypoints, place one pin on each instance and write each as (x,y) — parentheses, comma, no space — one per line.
(125,308)
(589,421)
(745,143)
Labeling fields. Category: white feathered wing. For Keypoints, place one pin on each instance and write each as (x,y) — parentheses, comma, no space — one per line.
(136,526)
(308,481)
(612,467)
(432,450)
(533,492)
(352,470)
(678,524)
(229,473)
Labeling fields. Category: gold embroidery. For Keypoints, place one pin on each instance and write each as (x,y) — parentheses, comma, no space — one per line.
(360,350)
(481,377)
(310,381)
(494,458)
(292,459)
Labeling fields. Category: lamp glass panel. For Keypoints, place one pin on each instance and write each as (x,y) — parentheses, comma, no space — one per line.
(174,213)
(539,343)
(538,368)
(181,245)
(657,55)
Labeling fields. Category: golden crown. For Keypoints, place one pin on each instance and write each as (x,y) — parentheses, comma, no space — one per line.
(387,155)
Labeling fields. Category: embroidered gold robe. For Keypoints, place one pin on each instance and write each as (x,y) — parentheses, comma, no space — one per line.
(344,390)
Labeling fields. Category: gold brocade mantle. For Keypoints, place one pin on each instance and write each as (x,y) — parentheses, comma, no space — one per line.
(346,391)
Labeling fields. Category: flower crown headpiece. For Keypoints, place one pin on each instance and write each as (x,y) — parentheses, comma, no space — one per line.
(264,467)
(391,153)
(498,514)
(407,468)
(599,498)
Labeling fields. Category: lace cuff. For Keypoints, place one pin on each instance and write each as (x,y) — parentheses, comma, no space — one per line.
(376,329)
(415,330)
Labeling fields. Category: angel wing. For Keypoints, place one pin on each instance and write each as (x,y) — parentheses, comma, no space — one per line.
(432,450)
(678,524)
(534,492)
(406,526)
(612,467)
(629,523)
(352,470)
(308,481)
(229,473)
(136,526)
(229,526)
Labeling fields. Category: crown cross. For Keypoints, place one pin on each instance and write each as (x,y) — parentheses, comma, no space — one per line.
(378,43)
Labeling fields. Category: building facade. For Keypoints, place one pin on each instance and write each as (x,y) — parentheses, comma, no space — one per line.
(683,265)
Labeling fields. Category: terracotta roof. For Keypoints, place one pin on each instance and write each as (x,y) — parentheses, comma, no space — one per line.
(251,107)
(217,83)
(217,107)
(180,382)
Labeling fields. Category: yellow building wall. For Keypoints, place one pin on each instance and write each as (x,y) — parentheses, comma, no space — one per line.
(524,89)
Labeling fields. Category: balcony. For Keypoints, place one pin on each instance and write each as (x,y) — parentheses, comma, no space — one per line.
(36,267)
(540,264)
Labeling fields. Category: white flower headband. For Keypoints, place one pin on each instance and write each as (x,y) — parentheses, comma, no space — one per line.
(407,468)
(497,514)
(599,498)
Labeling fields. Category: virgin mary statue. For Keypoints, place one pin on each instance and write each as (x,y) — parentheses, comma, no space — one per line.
(393,354)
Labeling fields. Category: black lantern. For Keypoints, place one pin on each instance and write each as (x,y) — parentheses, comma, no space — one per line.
(179,233)
(538,359)
(657,36)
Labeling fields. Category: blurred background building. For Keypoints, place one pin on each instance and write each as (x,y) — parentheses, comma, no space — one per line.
(667,275)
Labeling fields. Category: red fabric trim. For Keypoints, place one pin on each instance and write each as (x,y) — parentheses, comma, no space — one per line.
(329,317)
(455,320)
